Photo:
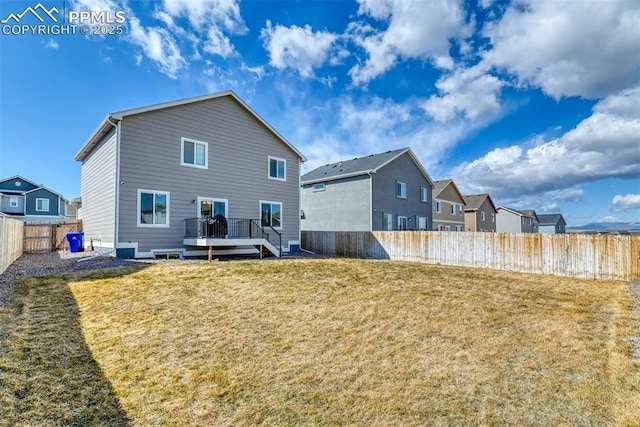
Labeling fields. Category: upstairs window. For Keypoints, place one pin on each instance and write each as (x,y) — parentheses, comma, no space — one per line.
(42,205)
(401,190)
(423,194)
(194,153)
(453,209)
(13,202)
(319,187)
(439,207)
(277,168)
(483,217)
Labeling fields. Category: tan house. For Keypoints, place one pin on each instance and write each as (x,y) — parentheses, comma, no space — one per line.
(480,213)
(448,206)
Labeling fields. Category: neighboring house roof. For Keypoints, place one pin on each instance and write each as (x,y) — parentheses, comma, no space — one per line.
(111,120)
(550,219)
(21,178)
(360,166)
(440,185)
(474,201)
(517,212)
(47,189)
(531,212)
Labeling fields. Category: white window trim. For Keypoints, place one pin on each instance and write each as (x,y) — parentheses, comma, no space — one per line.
(438,206)
(11,202)
(43,200)
(212,199)
(399,219)
(405,190)
(425,193)
(206,153)
(281,213)
(452,209)
(483,216)
(277,159)
(167,193)
(385,222)
(426,222)
(320,188)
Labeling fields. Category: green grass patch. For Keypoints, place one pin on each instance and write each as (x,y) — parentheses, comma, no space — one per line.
(317,342)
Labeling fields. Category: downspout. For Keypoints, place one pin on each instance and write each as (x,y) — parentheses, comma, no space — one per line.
(116,213)
(370,173)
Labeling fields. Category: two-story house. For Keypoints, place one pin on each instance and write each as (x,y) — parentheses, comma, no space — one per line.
(30,202)
(384,191)
(448,206)
(195,176)
(479,213)
(510,220)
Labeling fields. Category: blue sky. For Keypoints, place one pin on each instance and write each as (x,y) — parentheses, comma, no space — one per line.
(535,102)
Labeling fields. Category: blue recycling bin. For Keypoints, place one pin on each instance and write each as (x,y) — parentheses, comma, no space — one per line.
(75,241)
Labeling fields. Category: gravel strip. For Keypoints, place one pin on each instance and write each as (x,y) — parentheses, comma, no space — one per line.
(34,265)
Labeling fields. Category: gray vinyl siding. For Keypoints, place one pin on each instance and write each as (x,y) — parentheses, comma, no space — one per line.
(344,205)
(507,222)
(238,150)
(384,193)
(98,192)
(5,204)
(41,193)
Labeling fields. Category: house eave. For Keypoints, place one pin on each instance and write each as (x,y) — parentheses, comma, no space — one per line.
(105,126)
(337,177)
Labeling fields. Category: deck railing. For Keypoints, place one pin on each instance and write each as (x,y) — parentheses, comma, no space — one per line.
(231,228)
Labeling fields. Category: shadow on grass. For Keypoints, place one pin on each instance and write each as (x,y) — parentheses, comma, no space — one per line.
(48,375)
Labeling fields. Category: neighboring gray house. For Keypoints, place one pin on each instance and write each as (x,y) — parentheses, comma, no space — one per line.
(552,224)
(479,213)
(532,213)
(510,220)
(386,191)
(30,202)
(190,177)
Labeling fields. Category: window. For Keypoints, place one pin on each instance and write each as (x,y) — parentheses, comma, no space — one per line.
(453,209)
(153,208)
(42,205)
(422,222)
(401,223)
(438,207)
(13,202)
(194,153)
(271,214)
(458,228)
(423,194)
(493,217)
(318,187)
(401,190)
(387,221)
(277,168)
(461,210)
(483,217)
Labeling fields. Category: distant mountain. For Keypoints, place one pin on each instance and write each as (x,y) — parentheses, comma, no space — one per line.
(607,226)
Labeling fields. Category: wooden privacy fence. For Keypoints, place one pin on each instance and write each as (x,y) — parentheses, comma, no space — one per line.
(575,255)
(48,236)
(11,242)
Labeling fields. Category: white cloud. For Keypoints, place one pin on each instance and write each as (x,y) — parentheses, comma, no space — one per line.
(467,93)
(51,44)
(582,48)
(205,14)
(298,48)
(416,29)
(158,45)
(604,145)
(626,202)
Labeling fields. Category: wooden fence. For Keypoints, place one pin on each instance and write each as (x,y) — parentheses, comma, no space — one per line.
(48,236)
(574,255)
(11,242)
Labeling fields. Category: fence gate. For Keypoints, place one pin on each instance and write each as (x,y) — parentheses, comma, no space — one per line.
(48,236)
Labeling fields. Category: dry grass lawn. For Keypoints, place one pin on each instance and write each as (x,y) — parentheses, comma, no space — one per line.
(317,342)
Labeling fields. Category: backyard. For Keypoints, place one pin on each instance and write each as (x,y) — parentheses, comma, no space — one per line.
(317,342)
